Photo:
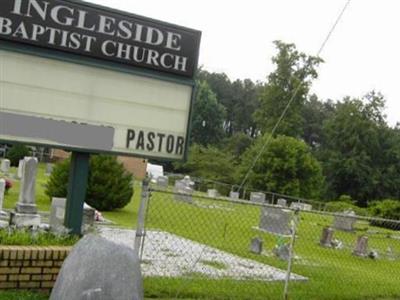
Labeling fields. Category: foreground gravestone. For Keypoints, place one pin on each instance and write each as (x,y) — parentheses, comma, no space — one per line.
(326,237)
(25,213)
(100,270)
(257,197)
(162,182)
(281,202)
(212,193)
(20,167)
(5,166)
(361,248)
(345,221)
(256,245)
(275,220)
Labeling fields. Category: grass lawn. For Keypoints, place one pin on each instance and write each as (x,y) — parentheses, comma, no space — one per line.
(332,274)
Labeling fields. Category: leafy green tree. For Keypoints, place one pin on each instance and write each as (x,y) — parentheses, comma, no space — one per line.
(286,166)
(208,117)
(17,152)
(294,72)
(237,144)
(109,185)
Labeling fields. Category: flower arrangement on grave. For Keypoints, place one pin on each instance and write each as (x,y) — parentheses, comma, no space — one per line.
(9,185)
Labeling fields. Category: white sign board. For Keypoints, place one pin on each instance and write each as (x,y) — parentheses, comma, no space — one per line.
(63,104)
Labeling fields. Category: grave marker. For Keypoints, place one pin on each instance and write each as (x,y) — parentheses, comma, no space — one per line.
(361,248)
(281,202)
(257,197)
(345,221)
(275,220)
(5,166)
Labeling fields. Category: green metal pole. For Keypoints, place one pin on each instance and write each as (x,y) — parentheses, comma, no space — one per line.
(78,177)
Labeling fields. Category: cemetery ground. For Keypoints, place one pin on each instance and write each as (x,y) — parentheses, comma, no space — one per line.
(331,273)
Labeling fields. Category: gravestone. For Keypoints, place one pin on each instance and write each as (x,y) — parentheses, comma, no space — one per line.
(301,206)
(326,237)
(25,213)
(256,245)
(162,182)
(100,270)
(275,220)
(2,192)
(257,197)
(49,169)
(281,202)
(5,166)
(361,248)
(183,189)
(212,193)
(234,195)
(57,214)
(20,167)
(345,221)
(282,252)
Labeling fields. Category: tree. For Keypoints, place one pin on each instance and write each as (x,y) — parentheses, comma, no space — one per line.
(109,185)
(294,72)
(286,166)
(17,152)
(208,116)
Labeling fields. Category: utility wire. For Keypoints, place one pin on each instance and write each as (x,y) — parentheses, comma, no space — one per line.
(339,17)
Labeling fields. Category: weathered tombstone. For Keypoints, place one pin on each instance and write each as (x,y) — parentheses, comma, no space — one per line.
(100,270)
(183,191)
(25,213)
(275,220)
(256,245)
(5,166)
(49,169)
(162,182)
(2,192)
(307,206)
(281,202)
(20,167)
(57,214)
(345,221)
(361,248)
(301,206)
(234,195)
(257,197)
(282,252)
(88,216)
(326,237)
(212,193)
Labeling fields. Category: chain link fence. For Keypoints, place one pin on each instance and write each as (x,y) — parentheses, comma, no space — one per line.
(197,247)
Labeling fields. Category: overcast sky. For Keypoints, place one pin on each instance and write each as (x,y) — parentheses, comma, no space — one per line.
(362,54)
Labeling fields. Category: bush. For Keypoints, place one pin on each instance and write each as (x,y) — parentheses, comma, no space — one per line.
(341,206)
(386,209)
(109,185)
(16,153)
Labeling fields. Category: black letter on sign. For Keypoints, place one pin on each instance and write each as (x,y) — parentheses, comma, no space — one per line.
(161,137)
(180,142)
(150,144)
(170,143)
(130,137)
(140,141)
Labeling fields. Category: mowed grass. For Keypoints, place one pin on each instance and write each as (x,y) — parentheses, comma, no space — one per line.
(332,273)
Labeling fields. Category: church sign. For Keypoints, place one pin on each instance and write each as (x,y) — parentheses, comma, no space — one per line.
(84,77)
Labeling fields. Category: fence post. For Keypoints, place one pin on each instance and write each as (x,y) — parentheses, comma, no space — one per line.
(140,227)
(291,253)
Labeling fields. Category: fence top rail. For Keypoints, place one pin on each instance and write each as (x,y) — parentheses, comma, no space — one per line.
(248,202)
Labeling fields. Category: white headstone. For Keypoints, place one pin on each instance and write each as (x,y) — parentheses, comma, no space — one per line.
(2,192)
(49,169)
(301,206)
(20,167)
(257,197)
(233,195)
(162,181)
(57,214)
(281,202)
(212,193)
(5,166)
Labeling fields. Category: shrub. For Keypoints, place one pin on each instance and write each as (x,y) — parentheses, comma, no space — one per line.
(109,185)
(386,209)
(341,206)
(16,153)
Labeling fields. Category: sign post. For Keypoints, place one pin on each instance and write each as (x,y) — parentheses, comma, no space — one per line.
(77,183)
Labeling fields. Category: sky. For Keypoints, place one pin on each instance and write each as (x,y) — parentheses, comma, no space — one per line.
(237,39)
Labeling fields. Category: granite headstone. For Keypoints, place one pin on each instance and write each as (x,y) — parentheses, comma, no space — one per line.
(345,221)
(275,220)
(281,202)
(257,197)
(100,270)
(5,166)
